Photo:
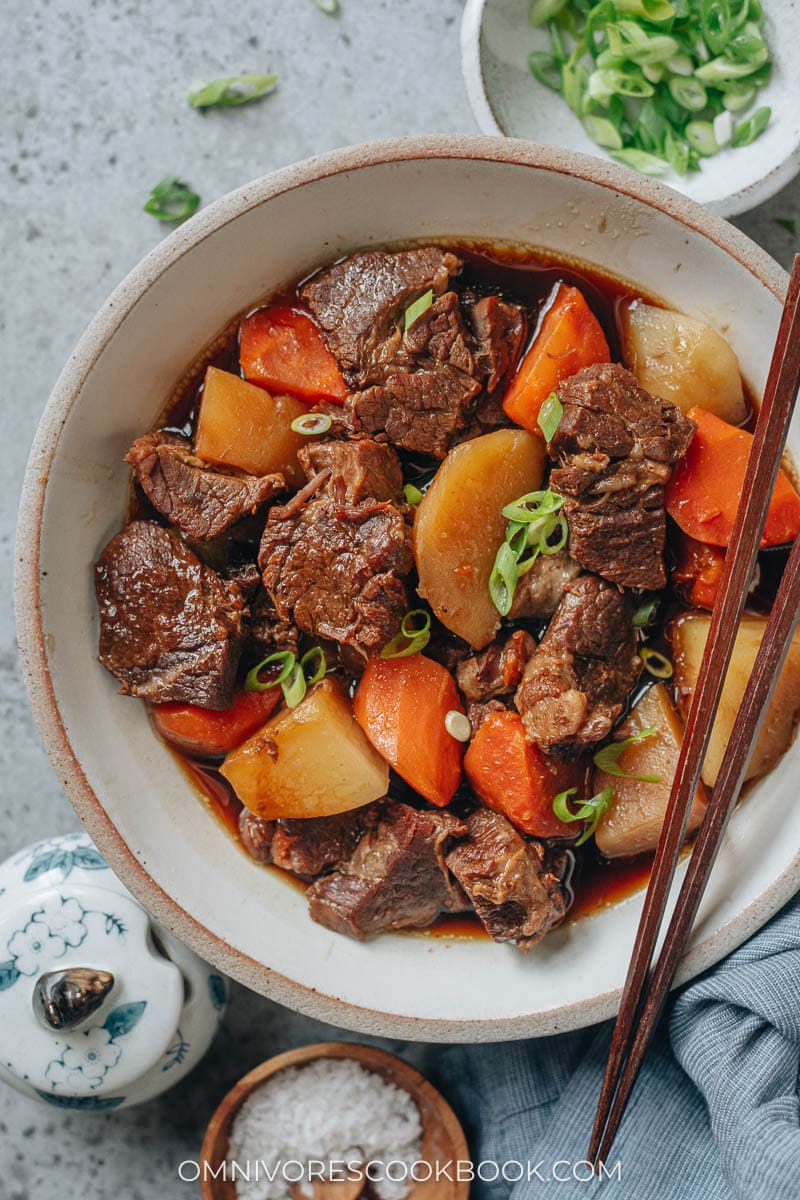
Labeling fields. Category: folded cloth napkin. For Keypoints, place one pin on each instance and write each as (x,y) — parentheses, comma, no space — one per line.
(715,1114)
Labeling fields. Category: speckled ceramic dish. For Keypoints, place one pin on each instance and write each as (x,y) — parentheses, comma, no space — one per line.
(128,789)
(497,37)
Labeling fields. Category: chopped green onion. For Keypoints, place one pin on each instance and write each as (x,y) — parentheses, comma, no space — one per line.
(310,424)
(589,811)
(747,131)
(412,494)
(415,310)
(533,506)
(547,546)
(689,93)
(457,725)
(656,663)
(607,759)
(412,637)
(787,223)
(640,160)
(549,417)
(503,579)
(329,7)
(172,200)
(603,131)
(231,91)
(736,96)
(645,614)
(651,10)
(700,135)
(283,661)
(316,653)
(716,24)
(721,70)
(545,10)
(546,68)
(574,85)
(294,687)
(616,82)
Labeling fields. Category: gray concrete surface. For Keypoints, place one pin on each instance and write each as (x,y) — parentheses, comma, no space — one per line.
(93,114)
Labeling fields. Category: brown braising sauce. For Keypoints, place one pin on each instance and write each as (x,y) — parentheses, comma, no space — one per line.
(528,278)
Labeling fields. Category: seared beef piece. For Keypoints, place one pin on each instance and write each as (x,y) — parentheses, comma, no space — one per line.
(307,847)
(539,590)
(479,710)
(170,628)
(359,301)
(576,684)
(424,397)
(395,879)
(335,566)
(200,499)
(504,876)
(500,330)
(266,631)
(256,835)
(616,445)
(497,670)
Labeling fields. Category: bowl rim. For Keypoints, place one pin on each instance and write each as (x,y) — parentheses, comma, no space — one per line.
(732,204)
(32,639)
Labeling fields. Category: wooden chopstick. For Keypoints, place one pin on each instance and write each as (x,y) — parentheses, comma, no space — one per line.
(765,456)
(775,644)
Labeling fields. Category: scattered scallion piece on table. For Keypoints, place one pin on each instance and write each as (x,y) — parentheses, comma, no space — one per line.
(590,810)
(414,635)
(787,223)
(329,7)
(231,91)
(415,310)
(655,82)
(607,759)
(172,200)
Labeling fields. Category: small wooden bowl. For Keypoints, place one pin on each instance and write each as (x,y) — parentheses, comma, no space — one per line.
(442,1136)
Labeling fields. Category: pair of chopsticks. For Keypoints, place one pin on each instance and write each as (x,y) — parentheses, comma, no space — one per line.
(641,1006)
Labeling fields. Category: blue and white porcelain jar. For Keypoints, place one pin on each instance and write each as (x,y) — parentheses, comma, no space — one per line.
(99,1006)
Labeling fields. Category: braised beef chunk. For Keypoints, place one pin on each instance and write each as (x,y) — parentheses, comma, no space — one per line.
(497,670)
(170,628)
(479,710)
(427,390)
(505,878)
(305,847)
(616,445)
(500,330)
(334,565)
(395,879)
(359,302)
(578,680)
(199,499)
(539,590)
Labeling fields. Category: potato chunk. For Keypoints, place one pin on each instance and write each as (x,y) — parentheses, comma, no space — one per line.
(459,526)
(683,360)
(244,426)
(688,634)
(310,761)
(633,822)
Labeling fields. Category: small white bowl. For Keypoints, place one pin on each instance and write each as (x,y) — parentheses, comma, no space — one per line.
(497,37)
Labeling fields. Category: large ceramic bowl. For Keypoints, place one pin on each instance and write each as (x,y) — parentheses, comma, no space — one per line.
(126,787)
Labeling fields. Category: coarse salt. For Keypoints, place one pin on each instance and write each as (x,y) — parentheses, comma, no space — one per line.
(331,1110)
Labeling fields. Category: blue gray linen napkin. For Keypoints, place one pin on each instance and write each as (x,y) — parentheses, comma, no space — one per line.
(715,1114)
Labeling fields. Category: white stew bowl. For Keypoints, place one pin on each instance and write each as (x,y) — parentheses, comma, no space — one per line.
(129,790)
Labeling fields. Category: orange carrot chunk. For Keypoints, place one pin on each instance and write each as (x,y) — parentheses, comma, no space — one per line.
(569,338)
(698,570)
(207,733)
(282,349)
(401,704)
(706,486)
(515,778)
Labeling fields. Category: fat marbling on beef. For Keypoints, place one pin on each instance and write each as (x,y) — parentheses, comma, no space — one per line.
(616,445)
(505,877)
(396,877)
(334,559)
(201,500)
(170,627)
(578,680)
